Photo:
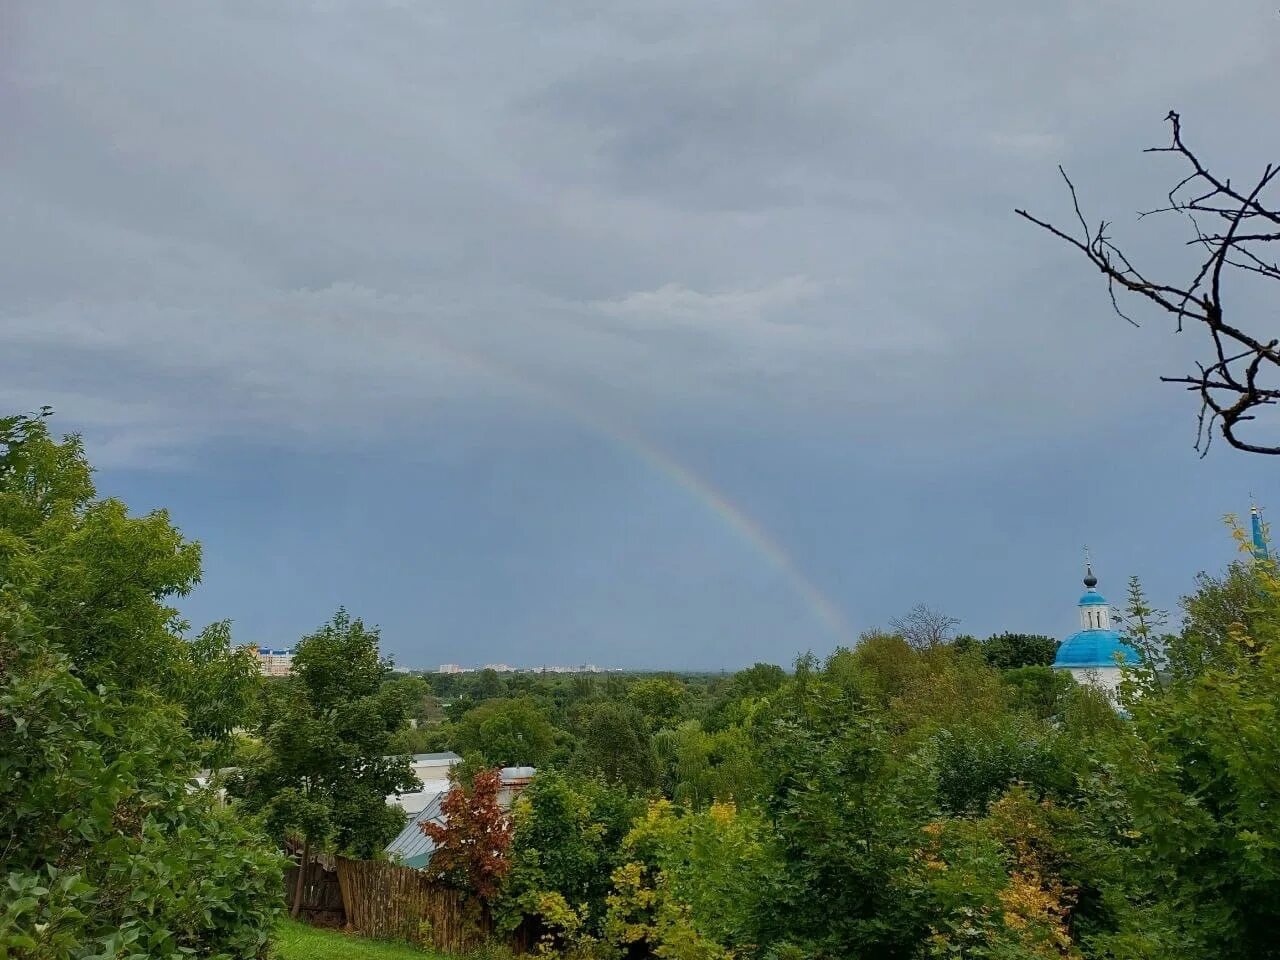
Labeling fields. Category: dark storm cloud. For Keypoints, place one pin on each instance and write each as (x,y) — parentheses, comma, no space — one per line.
(319,224)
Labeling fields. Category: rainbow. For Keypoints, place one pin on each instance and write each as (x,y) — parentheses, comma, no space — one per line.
(664,465)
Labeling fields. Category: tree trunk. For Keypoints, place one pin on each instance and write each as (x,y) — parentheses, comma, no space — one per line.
(300,886)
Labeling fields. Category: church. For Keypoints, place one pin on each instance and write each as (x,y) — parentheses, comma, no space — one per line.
(1095,653)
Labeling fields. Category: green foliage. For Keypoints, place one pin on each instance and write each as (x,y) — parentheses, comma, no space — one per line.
(843,826)
(96,580)
(108,848)
(991,888)
(758,680)
(1036,690)
(967,644)
(1141,624)
(505,733)
(880,668)
(1218,616)
(973,765)
(693,883)
(908,798)
(327,729)
(661,700)
(219,688)
(411,740)
(1009,651)
(487,685)
(614,744)
(1193,784)
(700,766)
(566,842)
(947,690)
(93,576)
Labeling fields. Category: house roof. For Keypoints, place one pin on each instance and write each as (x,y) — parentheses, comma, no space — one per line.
(412,847)
(447,756)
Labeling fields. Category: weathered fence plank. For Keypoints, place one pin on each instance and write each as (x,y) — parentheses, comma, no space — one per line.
(321,894)
(399,903)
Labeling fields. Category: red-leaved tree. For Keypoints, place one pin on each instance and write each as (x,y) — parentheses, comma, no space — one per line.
(471,845)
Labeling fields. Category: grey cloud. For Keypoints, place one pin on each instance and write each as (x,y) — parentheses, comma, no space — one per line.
(320,210)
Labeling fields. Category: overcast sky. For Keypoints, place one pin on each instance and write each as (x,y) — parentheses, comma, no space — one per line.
(659,335)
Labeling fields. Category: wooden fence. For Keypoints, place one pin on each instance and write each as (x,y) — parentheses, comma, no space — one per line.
(321,894)
(399,903)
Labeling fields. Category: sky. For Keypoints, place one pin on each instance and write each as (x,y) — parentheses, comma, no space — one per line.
(657,335)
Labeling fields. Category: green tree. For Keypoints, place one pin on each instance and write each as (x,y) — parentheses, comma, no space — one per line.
(219,687)
(567,833)
(693,884)
(699,766)
(1217,615)
(844,828)
(967,643)
(973,764)
(486,685)
(106,847)
(614,743)
(994,887)
(505,733)
(1191,786)
(1009,651)
(946,690)
(99,580)
(96,578)
(1142,624)
(1036,690)
(759,680)
(881,666)
(661,700)
(326,771)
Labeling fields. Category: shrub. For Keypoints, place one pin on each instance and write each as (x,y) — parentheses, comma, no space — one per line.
(109,848)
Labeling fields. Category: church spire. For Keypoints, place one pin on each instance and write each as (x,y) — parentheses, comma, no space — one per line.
(1260,551)
(1094,612)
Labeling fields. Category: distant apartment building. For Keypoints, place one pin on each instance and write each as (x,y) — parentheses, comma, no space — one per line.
(507,668)
(275,663)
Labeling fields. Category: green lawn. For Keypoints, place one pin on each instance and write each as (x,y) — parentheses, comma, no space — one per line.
(297,941)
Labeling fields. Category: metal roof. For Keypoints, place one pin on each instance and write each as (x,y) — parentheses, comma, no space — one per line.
(1095,648)
(448,755)
(412,847)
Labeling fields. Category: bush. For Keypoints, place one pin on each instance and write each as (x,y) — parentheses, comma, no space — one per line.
(109,848)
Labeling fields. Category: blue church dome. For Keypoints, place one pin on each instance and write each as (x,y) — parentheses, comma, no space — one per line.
(1092,599)
(1095,648)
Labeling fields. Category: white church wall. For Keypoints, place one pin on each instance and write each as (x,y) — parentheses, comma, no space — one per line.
(1106,679)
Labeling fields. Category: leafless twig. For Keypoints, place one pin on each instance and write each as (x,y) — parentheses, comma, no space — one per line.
(1243,372)
(924,628)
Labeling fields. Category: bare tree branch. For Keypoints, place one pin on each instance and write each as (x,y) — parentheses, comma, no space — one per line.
(1243,373)
(924,628)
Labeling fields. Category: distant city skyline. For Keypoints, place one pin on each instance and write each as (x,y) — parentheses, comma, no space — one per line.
(451,668)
